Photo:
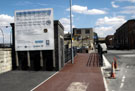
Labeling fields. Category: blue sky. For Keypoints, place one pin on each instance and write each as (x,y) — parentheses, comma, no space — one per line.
(105,16)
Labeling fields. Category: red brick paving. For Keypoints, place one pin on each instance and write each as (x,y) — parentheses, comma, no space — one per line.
(77,72)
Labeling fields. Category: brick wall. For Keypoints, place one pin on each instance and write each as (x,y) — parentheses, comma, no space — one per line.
(5,60)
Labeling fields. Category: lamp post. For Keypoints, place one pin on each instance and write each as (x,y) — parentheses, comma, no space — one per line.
(3,36)
(72,57)
(10,38)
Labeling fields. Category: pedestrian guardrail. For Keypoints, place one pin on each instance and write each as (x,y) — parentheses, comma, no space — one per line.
(68,54)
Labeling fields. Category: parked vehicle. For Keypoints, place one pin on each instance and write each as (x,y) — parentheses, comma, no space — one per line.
(104,47)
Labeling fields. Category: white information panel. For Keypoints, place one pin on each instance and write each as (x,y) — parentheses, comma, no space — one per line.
(34,30)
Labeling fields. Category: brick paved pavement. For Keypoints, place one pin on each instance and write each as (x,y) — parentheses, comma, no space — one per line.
(84,75)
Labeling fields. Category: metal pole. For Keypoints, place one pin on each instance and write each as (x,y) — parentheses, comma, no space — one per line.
(3,36)
(72,58)
(10,38)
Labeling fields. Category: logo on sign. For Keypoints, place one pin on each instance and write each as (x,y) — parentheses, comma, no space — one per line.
(39,41)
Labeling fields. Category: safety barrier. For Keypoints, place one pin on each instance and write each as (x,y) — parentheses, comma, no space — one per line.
(68,53)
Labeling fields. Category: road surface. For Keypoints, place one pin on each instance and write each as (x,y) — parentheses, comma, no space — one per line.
(125,74)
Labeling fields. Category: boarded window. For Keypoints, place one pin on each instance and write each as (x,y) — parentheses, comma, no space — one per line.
(87,31)
(78,31)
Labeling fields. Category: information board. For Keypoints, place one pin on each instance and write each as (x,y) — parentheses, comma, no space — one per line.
(34,30)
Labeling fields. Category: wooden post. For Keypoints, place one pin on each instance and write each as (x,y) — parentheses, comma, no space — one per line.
(17,62)
(41,59)
(28,56)
(54,65)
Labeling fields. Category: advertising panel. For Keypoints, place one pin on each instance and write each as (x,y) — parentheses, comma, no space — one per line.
(34,30)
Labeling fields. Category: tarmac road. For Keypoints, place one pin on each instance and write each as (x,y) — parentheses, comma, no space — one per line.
(125,74)
(22,80)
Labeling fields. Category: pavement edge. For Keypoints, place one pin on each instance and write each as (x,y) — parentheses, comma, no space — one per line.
(44,81)
(106,65)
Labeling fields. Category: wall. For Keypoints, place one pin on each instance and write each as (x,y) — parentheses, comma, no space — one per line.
(5,60)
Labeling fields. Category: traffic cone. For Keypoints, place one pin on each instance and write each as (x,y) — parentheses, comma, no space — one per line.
(115,63)
(113,71)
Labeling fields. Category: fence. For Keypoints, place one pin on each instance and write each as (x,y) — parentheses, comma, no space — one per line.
(68,53)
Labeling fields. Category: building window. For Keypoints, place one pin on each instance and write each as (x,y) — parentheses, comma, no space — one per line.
(78,31)
(87,31)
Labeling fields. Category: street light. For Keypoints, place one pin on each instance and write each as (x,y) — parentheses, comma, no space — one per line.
(3,35)
(10,38)
(72,57)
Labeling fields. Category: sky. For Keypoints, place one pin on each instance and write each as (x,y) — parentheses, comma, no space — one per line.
(104,16)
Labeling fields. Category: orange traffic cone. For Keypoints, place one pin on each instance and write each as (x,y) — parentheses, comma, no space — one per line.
(113,71)
(115,63)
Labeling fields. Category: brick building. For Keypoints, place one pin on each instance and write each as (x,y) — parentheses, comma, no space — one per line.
(109,41)
(124,37)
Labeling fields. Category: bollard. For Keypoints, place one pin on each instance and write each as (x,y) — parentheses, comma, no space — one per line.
(115,63)
(113,71)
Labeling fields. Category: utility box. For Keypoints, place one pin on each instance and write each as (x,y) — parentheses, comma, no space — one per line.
(41,59)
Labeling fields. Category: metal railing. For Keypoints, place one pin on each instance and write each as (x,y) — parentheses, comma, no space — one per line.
(68,54)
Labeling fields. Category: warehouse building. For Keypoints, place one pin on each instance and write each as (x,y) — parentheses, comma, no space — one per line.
(124,37)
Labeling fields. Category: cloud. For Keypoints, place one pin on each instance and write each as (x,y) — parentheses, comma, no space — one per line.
(129,7)
(5,20)
(42,4)
(111,20)
(66,23)
(103,31)
(132,1)
(113,5)
(24,3)
(108,25)
(85,10)
(128,10)
(7,34)
(133,16)
(7,37)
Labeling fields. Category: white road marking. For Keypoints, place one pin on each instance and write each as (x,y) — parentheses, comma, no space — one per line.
(106,65)
(123,80)
(106,62)
(43,81)
(105,83)
(77,86)
(122,84)
(130,55)
(124,77)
